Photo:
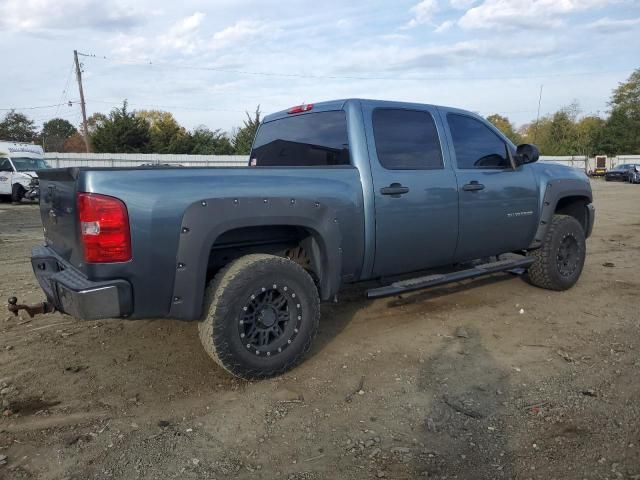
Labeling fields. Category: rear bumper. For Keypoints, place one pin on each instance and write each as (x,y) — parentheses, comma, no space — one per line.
(591,218)
(72,293)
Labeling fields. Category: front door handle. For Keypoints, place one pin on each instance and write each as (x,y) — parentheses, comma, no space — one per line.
(473,186)
(395,190)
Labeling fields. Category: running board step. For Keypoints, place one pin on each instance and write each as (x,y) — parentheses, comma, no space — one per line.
(420,283)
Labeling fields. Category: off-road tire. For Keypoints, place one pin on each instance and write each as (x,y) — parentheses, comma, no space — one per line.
(226,300)
(546,271)
(17,192)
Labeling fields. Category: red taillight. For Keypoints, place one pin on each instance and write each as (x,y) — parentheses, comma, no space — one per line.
(300,108)
(104,228)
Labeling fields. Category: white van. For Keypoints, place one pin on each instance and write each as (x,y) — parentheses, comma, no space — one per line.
(18,165)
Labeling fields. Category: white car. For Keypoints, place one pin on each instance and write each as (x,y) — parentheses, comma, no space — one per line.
(18,165)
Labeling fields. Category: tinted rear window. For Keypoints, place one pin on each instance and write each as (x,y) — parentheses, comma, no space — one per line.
(406,140)
(313,139)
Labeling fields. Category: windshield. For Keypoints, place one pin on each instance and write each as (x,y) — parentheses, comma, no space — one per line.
(29,164)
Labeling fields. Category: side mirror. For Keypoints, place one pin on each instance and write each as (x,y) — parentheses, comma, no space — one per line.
(526,153)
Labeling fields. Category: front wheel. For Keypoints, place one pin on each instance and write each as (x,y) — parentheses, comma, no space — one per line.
(559,261)
(17,192)
(262,313)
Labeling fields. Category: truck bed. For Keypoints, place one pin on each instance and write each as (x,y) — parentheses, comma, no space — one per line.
(157,200)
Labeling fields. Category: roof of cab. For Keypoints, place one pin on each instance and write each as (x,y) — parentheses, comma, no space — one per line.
(339,105)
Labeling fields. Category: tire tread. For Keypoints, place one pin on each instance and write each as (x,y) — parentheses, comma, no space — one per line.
(219,303)
(539,273)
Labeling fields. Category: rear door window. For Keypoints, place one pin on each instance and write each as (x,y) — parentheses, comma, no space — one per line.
(312,139)
(476,145)
(406,139)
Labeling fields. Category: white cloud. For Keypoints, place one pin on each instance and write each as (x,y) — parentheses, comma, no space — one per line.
(241,31)
(184,34)
(405,58)
(529,14)
(611,25)
(444,26)
(423,13)
(40,15)
(462,4)
(188,36)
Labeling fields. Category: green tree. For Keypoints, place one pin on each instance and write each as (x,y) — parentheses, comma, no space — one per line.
(166,134)
(54,134)
(121,132)
(208,142)
(243,138)
(589,131)
(95,120)
(556,134)
(622,131)
(17,127)
(505,126)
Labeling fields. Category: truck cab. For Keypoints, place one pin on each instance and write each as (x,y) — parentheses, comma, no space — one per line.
(19,163)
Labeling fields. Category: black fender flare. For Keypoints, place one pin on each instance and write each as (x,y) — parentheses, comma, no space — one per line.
(204,221)
(555,191)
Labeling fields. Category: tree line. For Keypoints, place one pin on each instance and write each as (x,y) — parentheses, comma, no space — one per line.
(568,132)
(565,132)
(126,131)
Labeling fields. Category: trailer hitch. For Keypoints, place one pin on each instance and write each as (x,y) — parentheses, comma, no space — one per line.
(43,307)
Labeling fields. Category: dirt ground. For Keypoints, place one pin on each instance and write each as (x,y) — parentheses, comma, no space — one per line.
(486,379)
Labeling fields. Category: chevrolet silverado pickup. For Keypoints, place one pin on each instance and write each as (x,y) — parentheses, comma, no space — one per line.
(334,193)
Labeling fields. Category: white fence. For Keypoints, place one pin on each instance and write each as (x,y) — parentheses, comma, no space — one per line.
(136,159)
(575,161)
(58,160)
(589,164)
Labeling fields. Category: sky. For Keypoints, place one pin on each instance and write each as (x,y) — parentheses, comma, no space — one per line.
(210,61)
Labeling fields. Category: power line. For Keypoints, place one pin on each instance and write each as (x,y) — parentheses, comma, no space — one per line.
(64,90)
(40,106)
(175,107)
(346,77)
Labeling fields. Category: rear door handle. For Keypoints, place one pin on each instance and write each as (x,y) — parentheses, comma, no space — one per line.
(395,190)
(473,186)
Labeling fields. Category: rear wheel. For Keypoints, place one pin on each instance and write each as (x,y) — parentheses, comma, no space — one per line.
(17,192)
(262,315)
(559,261)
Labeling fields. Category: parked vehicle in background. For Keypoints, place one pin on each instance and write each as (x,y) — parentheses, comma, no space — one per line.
(601,166)
(622,173)
(341,192)
(18,165)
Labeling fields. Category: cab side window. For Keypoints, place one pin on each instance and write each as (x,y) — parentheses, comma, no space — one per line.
(476,145)
(5,165)
(406,140)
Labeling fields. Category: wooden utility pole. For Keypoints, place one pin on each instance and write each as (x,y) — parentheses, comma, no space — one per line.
(85,128)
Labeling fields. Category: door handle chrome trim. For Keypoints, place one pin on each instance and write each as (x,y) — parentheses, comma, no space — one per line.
(474,186)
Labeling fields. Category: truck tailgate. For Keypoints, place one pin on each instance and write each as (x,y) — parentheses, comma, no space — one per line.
(58,212)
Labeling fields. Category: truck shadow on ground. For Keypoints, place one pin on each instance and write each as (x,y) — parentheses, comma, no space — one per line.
(336,317)
(465,431)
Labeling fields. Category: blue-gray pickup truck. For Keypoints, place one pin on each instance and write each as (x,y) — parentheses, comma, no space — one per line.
(334,193)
